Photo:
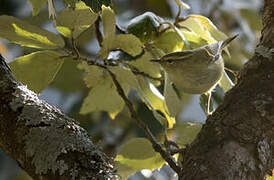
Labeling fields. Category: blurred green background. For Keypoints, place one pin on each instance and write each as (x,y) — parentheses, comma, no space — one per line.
(68,90)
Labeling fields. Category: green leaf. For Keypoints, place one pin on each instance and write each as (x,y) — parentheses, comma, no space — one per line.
(137,154)
(126,42)
(145,26)
(94,75)
(108,20)
(37,69)
(103,95)
(144,64)
(72,22)
(21,32)
(225,83)
(37,6)
(69,78)
(155,101)
(173,102)
(186,133)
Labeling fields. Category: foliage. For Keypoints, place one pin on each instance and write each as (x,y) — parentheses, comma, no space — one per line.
(146,37)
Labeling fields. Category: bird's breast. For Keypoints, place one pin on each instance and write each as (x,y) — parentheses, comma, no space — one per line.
(197,79)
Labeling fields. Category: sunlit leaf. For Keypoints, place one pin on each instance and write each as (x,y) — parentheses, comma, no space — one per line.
(72,22)
(208,25)
(37,6)
(169,42)
(196,26)
(226,83)
(155,101)
(137,154)
(104,96)
(37,70)
(108,20)
(21,32)
(195,40)
(173,102)
(126,42)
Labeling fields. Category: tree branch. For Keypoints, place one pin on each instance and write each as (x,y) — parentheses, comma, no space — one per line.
(156,146)
(46,143)
(237,141)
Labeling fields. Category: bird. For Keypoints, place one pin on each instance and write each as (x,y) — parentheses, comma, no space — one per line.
(196,71)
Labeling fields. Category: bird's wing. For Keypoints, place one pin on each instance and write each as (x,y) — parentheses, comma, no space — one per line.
(182,55)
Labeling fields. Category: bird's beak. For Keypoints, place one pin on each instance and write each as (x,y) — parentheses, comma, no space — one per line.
(156,60)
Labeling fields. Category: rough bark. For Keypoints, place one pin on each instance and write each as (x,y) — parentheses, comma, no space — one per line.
(237,141)
(46,143)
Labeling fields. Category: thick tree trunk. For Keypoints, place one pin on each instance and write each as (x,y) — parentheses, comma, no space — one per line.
(237,142)
(45,143)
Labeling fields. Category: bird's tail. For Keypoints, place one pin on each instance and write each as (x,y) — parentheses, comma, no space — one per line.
(227,41)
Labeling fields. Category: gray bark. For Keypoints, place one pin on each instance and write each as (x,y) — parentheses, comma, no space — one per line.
(46,143)
(237,141)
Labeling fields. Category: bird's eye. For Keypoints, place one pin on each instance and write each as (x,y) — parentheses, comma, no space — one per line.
(170,61)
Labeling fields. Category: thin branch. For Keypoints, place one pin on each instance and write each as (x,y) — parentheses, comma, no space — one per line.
(156,146)
(136,71)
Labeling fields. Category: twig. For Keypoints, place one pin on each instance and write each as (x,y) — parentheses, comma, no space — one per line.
(120,30)
(156,146)
(135,71)
(74,48)
(98,33)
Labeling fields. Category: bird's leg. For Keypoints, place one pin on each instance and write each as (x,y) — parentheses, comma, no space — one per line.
(208,113)
(235,73)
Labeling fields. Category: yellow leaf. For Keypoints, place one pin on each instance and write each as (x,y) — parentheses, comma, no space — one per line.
(21,32)
(108,20)
(126,42)
(155,101)
(169,42)
(104,96)
(208,25)
(137,154)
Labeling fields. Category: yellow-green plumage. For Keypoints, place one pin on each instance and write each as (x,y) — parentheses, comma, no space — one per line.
(196,71)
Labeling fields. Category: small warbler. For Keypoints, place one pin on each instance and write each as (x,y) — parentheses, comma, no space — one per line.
(196,71)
